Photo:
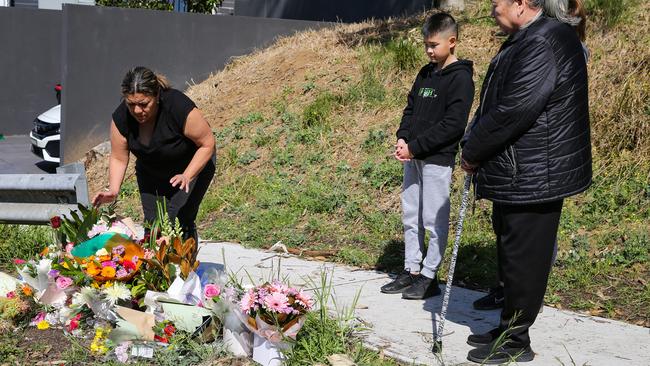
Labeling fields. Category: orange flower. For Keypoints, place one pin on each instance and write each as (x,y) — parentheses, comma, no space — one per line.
(104,258)
(92,269)
(27,290)
(108,272)
(45,251)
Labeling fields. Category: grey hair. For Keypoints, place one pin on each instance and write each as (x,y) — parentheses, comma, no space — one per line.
(559,9)
(537,4)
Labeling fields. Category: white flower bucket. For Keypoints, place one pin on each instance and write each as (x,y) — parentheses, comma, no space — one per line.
(266,353)
(237,338)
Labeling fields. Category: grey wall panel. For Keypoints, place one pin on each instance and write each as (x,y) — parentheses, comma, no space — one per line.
(101,44)
(30,66)
(330,10)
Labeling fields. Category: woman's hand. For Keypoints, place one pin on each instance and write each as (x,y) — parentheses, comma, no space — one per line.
(469,168)
(104,197)
(181,181)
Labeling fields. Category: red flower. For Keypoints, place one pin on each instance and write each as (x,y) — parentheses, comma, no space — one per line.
(169,330)
(55,222)
(128,265)
(19,261)
(74,324)
(160,339)
(11,295)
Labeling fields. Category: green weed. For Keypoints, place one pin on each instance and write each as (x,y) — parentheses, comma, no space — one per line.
(405,54)
(376,138)
(248,157)
(318,111)
(23,242)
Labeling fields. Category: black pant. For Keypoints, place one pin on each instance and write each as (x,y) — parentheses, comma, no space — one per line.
(526,236)
(180,204)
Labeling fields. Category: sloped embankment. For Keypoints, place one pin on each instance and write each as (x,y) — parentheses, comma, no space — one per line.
(305,131)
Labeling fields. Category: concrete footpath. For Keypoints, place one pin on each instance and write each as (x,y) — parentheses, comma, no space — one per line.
(404,329)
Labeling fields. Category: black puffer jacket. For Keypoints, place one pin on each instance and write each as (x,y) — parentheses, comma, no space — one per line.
(531,132)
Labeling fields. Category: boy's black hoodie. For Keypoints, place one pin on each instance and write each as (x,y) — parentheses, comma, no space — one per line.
(435,117)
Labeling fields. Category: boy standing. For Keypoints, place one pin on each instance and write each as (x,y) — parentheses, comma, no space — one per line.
(433,123)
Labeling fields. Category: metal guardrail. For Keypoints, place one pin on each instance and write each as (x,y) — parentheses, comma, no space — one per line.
(35,198)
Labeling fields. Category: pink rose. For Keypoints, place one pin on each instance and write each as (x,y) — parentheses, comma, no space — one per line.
(19,261)
(11,295)
(211,290)
(63,282)
(69,247)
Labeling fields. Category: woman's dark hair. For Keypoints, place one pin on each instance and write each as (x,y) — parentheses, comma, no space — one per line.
(142,80)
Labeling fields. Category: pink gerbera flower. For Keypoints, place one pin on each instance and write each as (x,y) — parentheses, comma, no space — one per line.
(305,300)
(277,302)
(247,303)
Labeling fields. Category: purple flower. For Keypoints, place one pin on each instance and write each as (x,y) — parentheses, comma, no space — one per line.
(53,273)
(118,250)
(121,273)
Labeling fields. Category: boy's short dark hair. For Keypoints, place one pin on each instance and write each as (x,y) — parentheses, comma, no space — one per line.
(440,23)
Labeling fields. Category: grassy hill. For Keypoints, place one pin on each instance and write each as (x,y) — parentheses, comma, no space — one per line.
(305,131)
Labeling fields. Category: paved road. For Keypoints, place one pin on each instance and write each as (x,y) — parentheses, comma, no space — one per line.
(404,329)
(17,158)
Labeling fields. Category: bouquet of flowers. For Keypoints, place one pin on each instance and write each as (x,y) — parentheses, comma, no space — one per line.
(117,260)
(274,310)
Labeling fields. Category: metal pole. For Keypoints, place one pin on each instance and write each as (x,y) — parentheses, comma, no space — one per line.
(437,344)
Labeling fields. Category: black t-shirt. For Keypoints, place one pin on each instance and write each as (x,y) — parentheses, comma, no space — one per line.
(169,151)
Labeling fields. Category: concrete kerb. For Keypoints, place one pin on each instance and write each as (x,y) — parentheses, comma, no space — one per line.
(404,330)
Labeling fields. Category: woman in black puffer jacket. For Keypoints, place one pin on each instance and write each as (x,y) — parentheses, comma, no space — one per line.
(529,147)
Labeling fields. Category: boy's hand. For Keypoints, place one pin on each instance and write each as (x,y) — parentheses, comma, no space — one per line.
(402,152)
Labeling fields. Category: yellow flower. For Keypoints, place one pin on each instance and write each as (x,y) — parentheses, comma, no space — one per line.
(108,272)
(42,325)
(94,285)
(65,265)
(92,269)
(108,284)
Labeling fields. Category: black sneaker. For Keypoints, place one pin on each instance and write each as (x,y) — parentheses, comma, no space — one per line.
(422,288)
(479,340)
(490,354)
(403,280)
(493,300)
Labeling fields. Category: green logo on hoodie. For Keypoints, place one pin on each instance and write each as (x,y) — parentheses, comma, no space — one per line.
(427,93)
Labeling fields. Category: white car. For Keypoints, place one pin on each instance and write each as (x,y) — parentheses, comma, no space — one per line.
(46,134)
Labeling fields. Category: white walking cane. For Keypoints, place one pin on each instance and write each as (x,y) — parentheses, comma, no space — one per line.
(437,345)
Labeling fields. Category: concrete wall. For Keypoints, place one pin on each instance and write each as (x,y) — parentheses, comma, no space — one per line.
(101,44)
(347,11)
(30,66)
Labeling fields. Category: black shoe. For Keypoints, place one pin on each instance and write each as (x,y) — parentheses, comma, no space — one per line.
(422,288)
(479,340)
(490,354)
(493,300)
(403,280)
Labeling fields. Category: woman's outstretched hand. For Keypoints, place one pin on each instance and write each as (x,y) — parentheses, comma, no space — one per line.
(104,197)
(181,181)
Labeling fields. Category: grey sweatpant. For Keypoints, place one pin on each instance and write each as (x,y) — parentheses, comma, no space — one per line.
(425,208)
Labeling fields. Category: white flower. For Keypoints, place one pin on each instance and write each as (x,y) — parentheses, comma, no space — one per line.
(101,252)
(117,292)
(85,296)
